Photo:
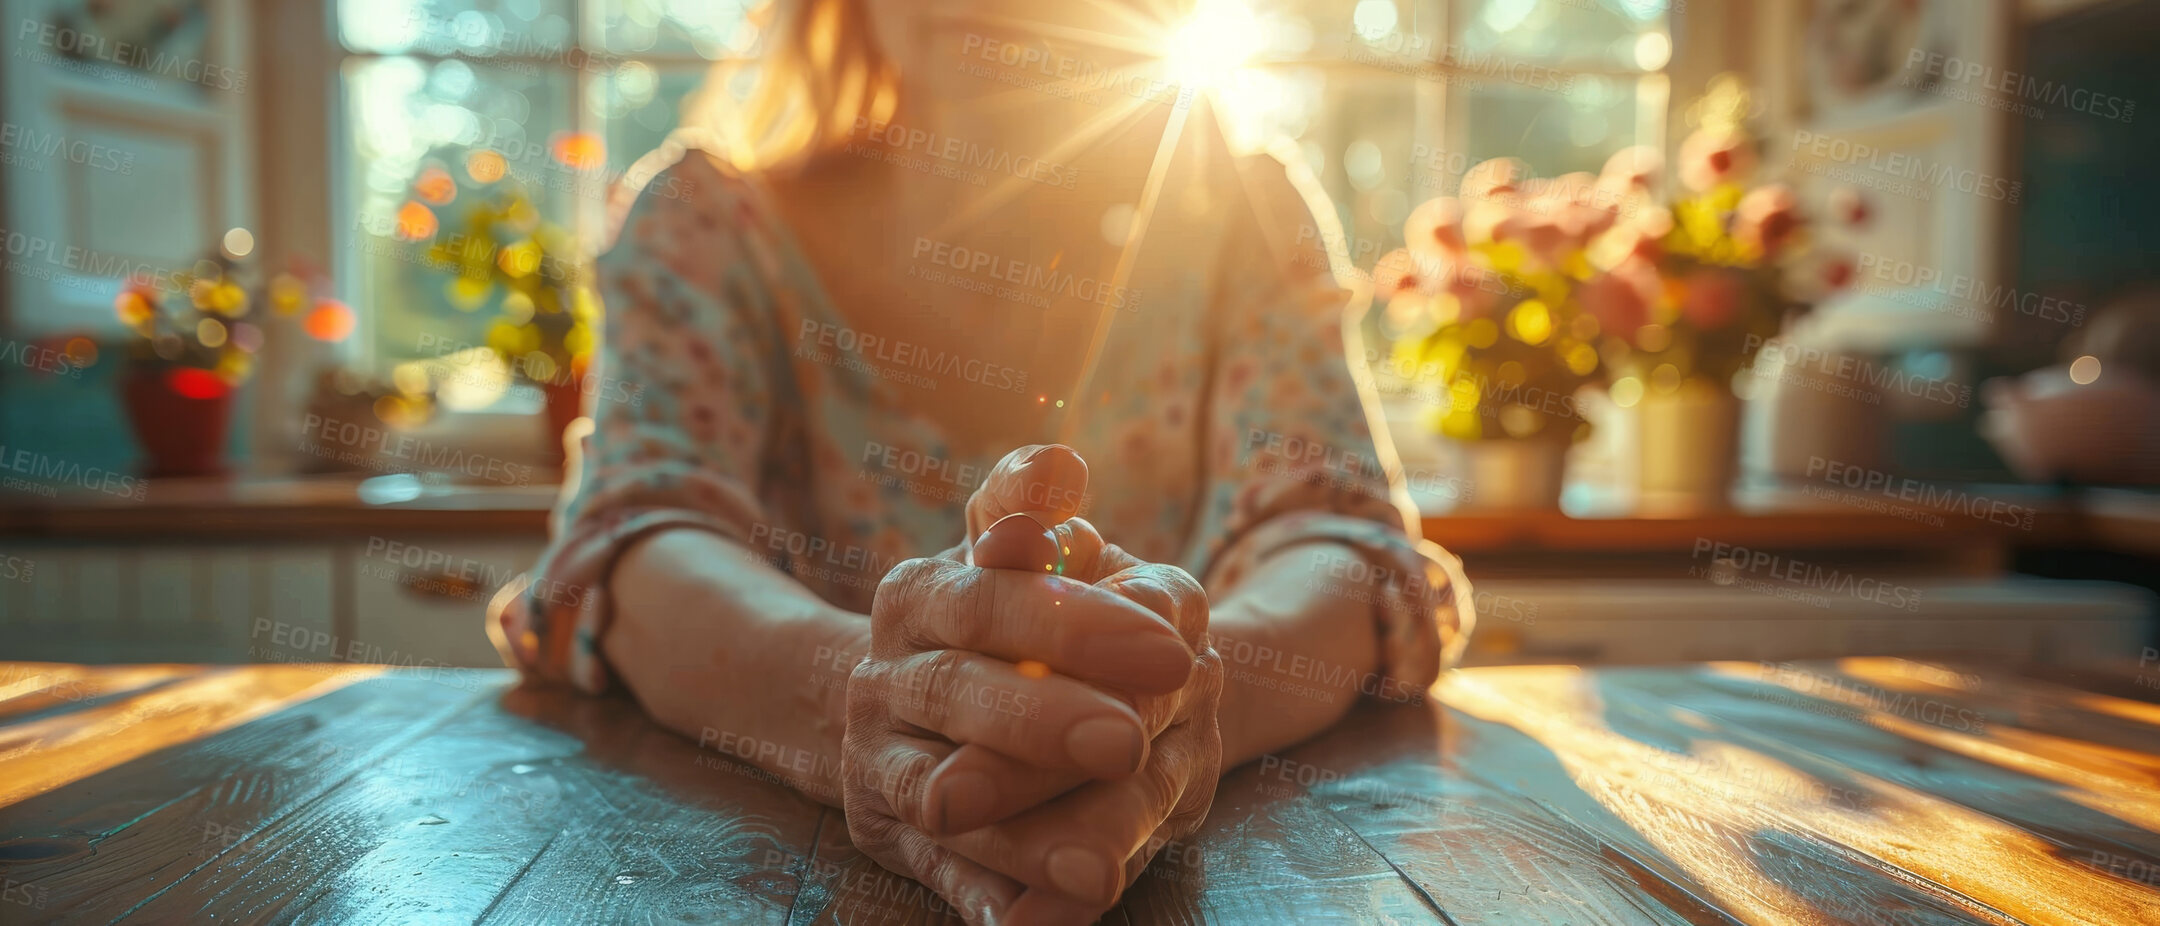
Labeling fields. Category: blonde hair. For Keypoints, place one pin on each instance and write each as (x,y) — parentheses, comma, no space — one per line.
(820,72)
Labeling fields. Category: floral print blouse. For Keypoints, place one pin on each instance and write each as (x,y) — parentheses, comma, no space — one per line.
(1231,425)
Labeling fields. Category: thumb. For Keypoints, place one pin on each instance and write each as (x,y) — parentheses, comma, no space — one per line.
(1044,481)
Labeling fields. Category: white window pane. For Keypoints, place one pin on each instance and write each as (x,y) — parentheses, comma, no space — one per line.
(641,103)
(710,29)
(1588,33)
(454,168)
(480,28)
(1555,132)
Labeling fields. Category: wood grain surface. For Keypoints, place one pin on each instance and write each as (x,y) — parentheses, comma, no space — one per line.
(1860,791)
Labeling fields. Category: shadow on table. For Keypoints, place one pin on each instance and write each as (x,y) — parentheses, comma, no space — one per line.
(734,835)
(1817,729)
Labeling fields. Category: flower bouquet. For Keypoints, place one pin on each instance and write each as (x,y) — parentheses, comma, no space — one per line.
(1686,293)
(193,343)
(1484,305)
(506,255)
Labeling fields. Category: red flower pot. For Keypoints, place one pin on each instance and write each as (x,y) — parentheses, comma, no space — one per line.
(181,417)
(565,402)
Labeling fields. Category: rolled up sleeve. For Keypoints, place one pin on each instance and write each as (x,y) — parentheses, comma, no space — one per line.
(682,403)
(1292,456)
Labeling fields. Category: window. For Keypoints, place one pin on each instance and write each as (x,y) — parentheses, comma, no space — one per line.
(489,124)
(1391,101)
(484,135)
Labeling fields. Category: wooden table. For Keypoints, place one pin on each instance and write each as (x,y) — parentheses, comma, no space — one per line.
(1862,791)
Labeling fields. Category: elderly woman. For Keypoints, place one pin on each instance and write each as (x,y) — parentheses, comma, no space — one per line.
(927,238)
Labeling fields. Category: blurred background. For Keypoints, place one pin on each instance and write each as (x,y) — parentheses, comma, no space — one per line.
(1705,330)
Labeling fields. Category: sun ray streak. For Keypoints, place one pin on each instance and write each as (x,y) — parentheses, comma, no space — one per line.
(1150,193)
(1086,136)
(1074,34)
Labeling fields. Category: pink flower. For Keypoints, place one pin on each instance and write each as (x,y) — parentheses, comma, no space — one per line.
(1767,218)
(1632,169)
(1709,158)
(1396,273)
(1499,179)
(1850,207)
(1576,204)
(1713,298)
(1436,223)
(1838,270)
(1621,298)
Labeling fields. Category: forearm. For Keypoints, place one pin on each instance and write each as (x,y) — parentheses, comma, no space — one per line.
(737,655)
(1298,648)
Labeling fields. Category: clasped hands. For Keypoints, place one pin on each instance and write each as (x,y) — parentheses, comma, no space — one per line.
(1036,716)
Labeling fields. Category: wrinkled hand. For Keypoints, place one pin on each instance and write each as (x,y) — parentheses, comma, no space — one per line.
(1036,717)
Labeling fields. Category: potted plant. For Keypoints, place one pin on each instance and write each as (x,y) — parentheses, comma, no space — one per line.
(1686,292)
(1490,330)
(506,256)
(192,343)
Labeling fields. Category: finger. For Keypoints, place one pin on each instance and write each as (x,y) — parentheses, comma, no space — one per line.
(1037,905)
(1167,592)
(1047,480)
(976,786)
(1019,542)
(1078,844)
(899,767)
(981,895)
(1051,721)
(1071,628)
(1082,548)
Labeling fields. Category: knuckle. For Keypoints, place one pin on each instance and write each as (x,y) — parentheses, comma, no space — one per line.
(900,594)
(903,783)
(934,676)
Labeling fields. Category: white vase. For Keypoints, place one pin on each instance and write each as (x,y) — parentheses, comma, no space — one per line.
(1504,474)
(1689,442)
